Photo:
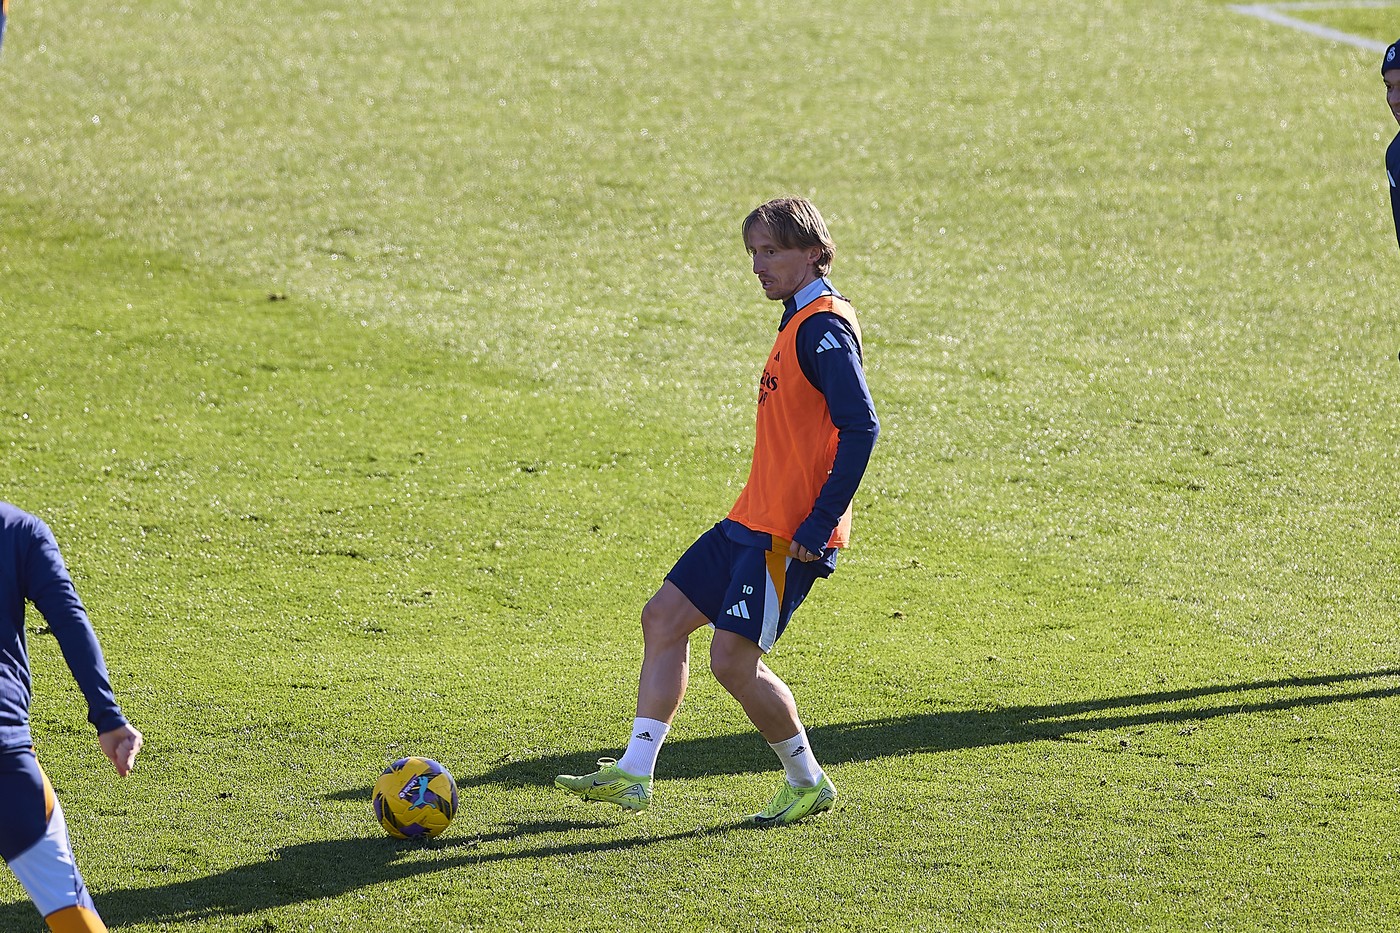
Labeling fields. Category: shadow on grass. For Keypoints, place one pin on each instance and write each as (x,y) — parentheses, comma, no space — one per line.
(947,730)
(315,870)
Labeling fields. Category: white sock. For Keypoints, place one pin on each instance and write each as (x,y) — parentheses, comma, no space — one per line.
(640,758)
(798,761)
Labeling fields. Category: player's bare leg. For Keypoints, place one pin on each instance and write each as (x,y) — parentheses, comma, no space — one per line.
(738,665)
(668,620)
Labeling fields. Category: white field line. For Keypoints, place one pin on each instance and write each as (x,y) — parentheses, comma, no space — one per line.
(1270,12)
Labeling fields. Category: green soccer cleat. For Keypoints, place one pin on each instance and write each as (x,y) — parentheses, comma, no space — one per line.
(791,804)
(609,784)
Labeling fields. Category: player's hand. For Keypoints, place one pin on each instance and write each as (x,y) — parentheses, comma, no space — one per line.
(801,553)
(120,745)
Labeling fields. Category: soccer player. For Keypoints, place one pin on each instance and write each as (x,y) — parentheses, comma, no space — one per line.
(816,428)
(4,8)
(33,835)
(1390,74)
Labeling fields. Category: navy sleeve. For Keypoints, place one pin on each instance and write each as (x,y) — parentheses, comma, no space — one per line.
(50,589)
(14,656)
(830,357)
(1392,173)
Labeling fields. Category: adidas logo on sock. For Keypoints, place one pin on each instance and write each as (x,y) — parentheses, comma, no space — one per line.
(800,750)
(645,736)
(739,610)
(829,342)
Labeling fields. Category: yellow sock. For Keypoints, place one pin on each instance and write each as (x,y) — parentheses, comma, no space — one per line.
(75,920)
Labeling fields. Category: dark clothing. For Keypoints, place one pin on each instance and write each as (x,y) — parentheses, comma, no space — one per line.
(32,569)
(1392,173)
(23,818)
(743,589)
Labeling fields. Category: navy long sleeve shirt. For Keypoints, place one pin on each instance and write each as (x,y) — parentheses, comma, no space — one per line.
(1392,172)
(32,569)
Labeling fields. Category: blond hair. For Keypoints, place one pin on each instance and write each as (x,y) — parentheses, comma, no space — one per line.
(795,224)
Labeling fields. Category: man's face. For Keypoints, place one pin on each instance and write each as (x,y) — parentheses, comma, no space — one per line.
(1392,91)
(783,271)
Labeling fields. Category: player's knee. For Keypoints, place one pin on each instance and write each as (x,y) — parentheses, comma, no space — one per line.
(659,622)
(731,667)
(722,667)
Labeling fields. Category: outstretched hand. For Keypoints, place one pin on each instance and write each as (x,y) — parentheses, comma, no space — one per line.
(120,745)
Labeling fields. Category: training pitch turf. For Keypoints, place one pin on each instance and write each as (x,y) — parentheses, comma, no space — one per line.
(373,363)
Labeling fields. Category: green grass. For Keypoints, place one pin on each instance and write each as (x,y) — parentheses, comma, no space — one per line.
(1378,21)
(1114,648)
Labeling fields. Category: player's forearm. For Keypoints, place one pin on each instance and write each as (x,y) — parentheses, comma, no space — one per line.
(68,622)
(853,449)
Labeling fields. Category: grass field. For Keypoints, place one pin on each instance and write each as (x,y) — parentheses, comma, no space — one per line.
(373,367)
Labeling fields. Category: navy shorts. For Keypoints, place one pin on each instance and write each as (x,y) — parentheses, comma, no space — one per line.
(751,591)
(34,839)
(25,813)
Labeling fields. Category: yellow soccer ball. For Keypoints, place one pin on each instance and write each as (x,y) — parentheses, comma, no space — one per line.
(415,798)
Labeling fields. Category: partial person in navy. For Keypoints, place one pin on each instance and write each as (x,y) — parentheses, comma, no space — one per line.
(33,835)
(4,8)
(1390,74)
